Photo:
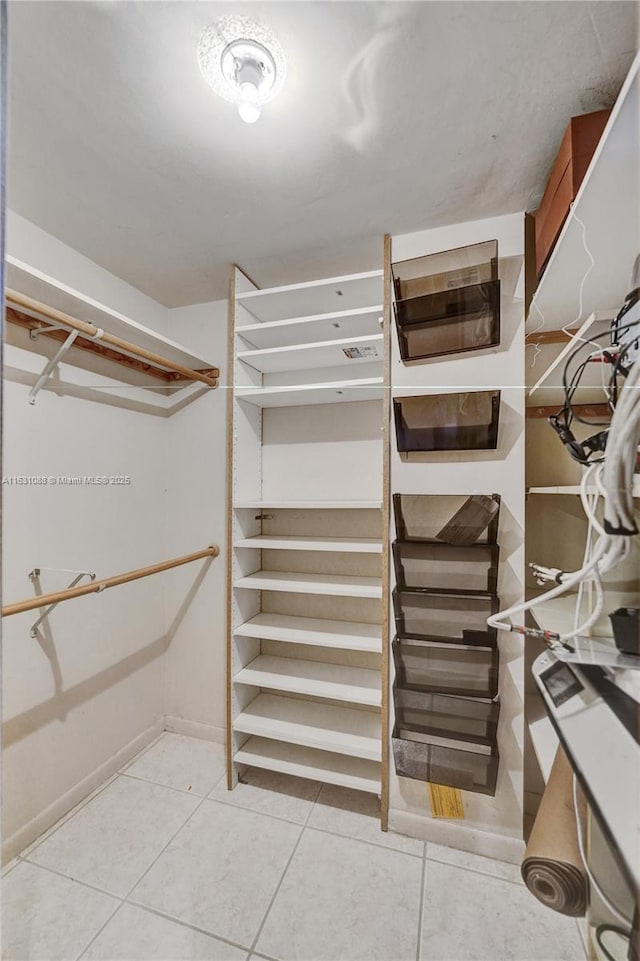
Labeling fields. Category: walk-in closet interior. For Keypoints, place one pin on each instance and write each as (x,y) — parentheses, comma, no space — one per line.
(320,479)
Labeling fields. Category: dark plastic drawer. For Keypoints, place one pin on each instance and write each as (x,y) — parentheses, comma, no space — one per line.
(466,770)
(444,616)
(445,568)
(462,519)
(447,422)
(464,719)
(441,667)
(449,321)
(446,271)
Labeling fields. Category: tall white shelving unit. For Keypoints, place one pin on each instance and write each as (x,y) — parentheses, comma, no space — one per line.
(308,523)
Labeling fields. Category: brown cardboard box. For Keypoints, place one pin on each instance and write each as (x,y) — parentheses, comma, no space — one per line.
(575,153)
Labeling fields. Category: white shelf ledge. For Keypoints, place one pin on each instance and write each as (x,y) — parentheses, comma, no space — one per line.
(360,322)
(314,297)
(309,505)
(345,545)
(575,489)
(310,763)
(336,585)
(347,352)
(341,635)
(343,730)
(301,395)
(606,205)
(33,283)
(335,681)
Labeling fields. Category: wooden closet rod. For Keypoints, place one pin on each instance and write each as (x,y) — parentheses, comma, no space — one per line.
(43,600)
(96,334)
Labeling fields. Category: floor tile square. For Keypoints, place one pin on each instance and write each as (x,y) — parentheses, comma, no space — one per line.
(185,763)
(356,814)
(134,933)
(268,792)
(474,862)
(342,900)
(471,917)
(48,917)
(112,841)
(221,871)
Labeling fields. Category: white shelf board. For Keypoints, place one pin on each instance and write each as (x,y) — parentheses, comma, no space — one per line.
(575,489)
(338,682)
(341,635)
(345,545)
(607,205)
(328,353)
(314,297)
(33,283)
(327,727)
(597,319)
(310,763)
(545,744)
(360,322)
(309,505)
(300,395)
(335,585)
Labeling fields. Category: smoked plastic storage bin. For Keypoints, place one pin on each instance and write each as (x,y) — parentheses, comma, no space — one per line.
(447,518)
(445,616)
(445,422)
(468,668)
(449,302)
(466,770)
(465,719)
(446,568)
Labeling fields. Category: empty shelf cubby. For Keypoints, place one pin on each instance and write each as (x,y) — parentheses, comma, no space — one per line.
(447,422)
(464,719)
(460,519)
(448,302)
(446,568)
(465,669)
(465,770)
(445,616)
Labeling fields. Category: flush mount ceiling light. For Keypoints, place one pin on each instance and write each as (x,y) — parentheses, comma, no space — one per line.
(243,62)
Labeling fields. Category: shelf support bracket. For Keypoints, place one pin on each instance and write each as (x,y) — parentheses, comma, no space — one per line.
(33,577)
(53,363)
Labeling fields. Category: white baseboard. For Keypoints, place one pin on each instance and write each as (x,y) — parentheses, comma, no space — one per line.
(31,831)
(455,834)
(207,732)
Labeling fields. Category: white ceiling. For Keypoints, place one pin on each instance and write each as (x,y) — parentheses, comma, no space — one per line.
(395,117)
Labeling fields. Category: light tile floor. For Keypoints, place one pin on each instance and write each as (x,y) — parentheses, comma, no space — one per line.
(164,864)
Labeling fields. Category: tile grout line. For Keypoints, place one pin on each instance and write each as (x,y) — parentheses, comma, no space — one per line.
(69,877)
(49,833)
(373,844)
(145,750)
(184,924)
(421,901)
(160,853)
(484,874)
(169,787)
(99,931)
(279,884)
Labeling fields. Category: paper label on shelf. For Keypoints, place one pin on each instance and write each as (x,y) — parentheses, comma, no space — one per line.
(356,353)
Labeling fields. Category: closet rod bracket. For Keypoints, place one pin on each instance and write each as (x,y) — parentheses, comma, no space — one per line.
(35,574)
(53,363)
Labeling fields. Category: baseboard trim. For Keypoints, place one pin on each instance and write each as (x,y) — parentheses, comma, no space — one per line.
(33,829)
(206,732)
(457,835)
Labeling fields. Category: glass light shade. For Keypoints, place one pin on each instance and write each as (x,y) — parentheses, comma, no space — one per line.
(236,51)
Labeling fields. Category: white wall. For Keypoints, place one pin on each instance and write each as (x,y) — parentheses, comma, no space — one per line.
(491,825)
(85,695)
(196,474)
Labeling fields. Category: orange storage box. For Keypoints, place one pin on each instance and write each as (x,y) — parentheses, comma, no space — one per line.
(574,156)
